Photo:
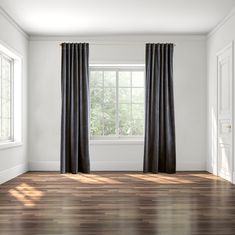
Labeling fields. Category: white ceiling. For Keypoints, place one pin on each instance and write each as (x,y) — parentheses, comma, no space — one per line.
(99,17)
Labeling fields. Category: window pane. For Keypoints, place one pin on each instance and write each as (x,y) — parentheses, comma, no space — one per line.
(124,95)
(125,119)
(124,112)
(125,127)
(110,79)
(96,120)
(138,111)
(6,69)
(109,127)
(6,108)
(109,119)
(138,127)
(137,95)
(96,127)
(6,123)
(124,79)
(110,95)
(96,79)
(138,79)
(6,88)
(5,98)
(96,95)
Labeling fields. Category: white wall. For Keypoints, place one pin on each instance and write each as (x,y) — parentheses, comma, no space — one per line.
(13,161)
(45,101)
(217,40)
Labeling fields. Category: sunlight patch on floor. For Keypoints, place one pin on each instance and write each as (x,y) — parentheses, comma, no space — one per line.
(206,176)
(160,179)
(91,179)
(26,194)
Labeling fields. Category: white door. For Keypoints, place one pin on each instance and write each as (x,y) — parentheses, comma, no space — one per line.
(225,112)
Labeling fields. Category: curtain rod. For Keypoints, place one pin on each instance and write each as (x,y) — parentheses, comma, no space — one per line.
(122,43)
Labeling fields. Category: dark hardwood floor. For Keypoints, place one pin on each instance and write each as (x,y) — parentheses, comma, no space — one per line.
(117,203)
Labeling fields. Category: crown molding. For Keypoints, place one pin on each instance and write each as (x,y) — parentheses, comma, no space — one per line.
(13,23)
(120,39)
(221,23)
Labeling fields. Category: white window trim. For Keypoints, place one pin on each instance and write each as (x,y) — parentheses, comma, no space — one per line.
(11,61)
(117,140)
(10,144)
(17,96)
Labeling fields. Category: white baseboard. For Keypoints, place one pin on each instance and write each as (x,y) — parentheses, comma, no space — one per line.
(233,180)
(111,166)
(190,166)
(12,172)
(116,166)
(209,169)
(95,166)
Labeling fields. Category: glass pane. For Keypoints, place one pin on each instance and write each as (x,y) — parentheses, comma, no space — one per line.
(138,111)
(109,119)
(6,89)
(96,127)
(6,70)
(97,111)
(6,123)
(109,127)
(109,95)
(138,79)
(124,112)
(96,79)
(110,79)
(124,95)
(96,95)
(137,95)
(125,127)
(124,119)
(6,108)
(109,112)
(96,120)
(124,79)
(138,127)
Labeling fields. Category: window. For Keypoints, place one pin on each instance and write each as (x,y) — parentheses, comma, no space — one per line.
(10,98)
(6,99)
(117,101)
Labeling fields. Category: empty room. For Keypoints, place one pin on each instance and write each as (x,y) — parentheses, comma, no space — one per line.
(117,117)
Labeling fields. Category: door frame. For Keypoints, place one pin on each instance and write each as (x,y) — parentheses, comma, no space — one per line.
(230,45)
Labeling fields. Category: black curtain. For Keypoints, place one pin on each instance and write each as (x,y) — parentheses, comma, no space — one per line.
(159,142)
(75,103)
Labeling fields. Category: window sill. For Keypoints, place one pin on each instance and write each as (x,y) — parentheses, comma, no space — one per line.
(7,145)
(116,142)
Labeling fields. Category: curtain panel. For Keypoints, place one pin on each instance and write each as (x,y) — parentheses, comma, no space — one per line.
(159,141)
(75,108)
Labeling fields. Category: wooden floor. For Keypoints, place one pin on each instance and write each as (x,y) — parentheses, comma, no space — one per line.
(117,203)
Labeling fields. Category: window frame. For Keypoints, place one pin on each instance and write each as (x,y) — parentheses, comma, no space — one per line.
(11,61)
(118,68)
(17,97)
